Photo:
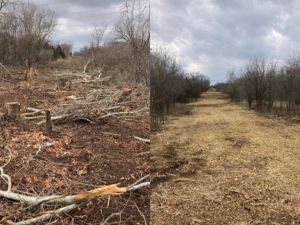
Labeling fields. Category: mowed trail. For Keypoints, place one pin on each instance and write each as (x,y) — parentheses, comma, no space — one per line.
(223,164)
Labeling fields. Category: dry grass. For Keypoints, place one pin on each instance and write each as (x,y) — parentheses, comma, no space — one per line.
(228,165)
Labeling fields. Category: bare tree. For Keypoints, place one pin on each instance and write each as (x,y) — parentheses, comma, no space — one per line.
(67,49)
(134,29)
(25,31)
(233,85)
(247,87)
(271,87)
(97,42)
(256,76)
(169,84)
(37,25)
(99,32)
(92,53)
(291,76)
(3,3)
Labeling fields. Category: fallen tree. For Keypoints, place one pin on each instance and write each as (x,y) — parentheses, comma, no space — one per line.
(71,201)
(5,75)
(96,106)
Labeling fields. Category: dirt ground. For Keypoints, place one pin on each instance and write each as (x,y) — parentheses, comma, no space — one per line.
(219,163)
(83,156)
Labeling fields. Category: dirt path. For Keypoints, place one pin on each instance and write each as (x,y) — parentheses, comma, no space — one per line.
(224,164)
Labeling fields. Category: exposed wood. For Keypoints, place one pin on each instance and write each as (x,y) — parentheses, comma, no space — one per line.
(139,186)
(6,178)
(46,215)
(72,201)
(12,110)
(86,65)
(100,71)
(32,113)
(142,139)
(30,109)
(113,189)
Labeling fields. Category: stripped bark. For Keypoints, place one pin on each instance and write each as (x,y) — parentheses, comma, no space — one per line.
(32,112)
(46,216)
(86,65)
(72,201)
(142,139)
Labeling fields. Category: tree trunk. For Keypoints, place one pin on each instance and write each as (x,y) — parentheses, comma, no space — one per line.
(48,121)
(249,99)
(12,110)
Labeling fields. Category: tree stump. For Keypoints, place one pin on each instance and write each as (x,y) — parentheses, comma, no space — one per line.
(63,84)
(48,121)
(12,110)
(126,95)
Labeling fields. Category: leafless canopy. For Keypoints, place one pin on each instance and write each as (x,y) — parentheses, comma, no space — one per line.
(268,86)
(25,33)
(134,29)
(3,3)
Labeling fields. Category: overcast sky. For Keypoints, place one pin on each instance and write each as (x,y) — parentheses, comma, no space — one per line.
(214,36)
(77,18)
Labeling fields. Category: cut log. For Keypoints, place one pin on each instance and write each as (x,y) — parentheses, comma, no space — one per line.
(48,121)
(32,113)
(12,110)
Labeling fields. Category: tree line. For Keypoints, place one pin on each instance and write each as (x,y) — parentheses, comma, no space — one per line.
(127,51)
(170,84)
(25,40)
(266,86)
(25,32)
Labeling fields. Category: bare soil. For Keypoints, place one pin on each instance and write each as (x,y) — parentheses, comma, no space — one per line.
(223,164)
(84,156)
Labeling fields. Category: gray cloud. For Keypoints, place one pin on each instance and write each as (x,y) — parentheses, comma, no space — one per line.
(214,36)
(77,18)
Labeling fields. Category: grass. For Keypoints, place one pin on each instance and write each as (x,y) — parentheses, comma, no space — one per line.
(240,163)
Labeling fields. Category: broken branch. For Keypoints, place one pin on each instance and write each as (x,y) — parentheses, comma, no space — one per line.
(46,216)
(9,77)
(142,139)
(73,201)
